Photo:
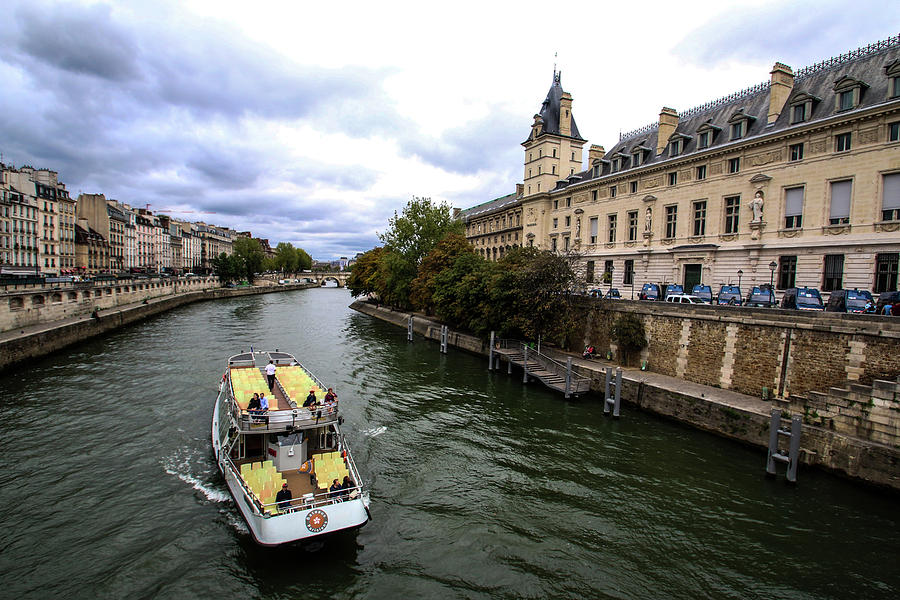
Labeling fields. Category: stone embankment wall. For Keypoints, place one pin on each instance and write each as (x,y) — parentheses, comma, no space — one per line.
(851,446)
(746,350)
(41,341)
(24,305)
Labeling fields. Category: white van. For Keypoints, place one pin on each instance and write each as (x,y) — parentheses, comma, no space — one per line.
(684,299)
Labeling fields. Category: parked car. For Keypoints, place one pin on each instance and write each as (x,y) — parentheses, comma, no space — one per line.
(595,293)
(885,301)
(851,301)
(704,292)
(802,299)
(613,294)
(684,299)
(649,291)
(672,289)
(761,296)
(730,294)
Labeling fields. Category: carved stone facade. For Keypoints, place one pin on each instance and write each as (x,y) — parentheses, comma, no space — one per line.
(819,148)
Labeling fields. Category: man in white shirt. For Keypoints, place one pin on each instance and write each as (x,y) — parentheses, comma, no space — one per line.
(270,375)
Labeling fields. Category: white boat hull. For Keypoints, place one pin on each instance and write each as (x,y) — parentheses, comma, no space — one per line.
(301,523)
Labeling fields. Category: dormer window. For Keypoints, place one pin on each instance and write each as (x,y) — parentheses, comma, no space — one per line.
(639,154)
(893,73)
(706,134)
(704,139)
(848,93)
(675,147)
(739,124)
(802,106)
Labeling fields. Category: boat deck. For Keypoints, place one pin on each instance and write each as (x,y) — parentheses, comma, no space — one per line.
(292,383)
(328,466)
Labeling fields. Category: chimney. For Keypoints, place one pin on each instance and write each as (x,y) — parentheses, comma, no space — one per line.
(595,153)
(565,114)
(780,88)
(668,121)
(520,190)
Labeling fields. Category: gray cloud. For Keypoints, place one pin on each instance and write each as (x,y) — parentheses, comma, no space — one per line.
(796,33)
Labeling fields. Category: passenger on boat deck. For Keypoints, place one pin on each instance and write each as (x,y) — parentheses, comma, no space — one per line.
(254,403)
(270,375)
(346,486)
(330,396)
(311,399)
(263,402)
(284,497)
(335,489)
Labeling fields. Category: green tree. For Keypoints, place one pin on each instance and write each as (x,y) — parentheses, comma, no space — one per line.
(462,294)
(250,254)
(628,331)
(304,260)
(410,237)
(286,258)
(533,289)
(227,268)
(442,256)
(364,274)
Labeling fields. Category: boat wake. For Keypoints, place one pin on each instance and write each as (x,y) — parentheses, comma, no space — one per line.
(181,470)
(374,431)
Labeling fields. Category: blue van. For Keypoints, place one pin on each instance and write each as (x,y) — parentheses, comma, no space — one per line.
(730,294)
(761,296)
(802,299)
(704,292)
(673,288)
(650,291)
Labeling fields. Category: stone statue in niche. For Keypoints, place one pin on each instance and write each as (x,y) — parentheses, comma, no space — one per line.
(577,227)
(648,220)
(756,205)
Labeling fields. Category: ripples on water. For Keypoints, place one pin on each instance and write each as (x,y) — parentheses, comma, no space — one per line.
(482,488)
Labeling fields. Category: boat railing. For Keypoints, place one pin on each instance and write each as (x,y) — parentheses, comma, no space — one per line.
(283,420)
(304,502)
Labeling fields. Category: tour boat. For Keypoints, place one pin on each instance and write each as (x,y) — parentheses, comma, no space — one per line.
(258,452)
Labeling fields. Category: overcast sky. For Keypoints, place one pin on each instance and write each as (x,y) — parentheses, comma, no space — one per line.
(312,122)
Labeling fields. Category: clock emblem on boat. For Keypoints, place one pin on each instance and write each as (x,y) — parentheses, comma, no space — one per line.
(316,520)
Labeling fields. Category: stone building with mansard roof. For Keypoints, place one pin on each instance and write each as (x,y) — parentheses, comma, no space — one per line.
(795,180)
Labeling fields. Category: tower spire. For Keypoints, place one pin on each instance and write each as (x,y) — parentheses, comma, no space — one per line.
(556,74)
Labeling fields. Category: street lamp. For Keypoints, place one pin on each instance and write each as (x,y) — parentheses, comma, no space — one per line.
(772,266)
(740,274)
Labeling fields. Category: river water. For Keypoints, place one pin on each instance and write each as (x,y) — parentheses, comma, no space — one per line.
(481,487)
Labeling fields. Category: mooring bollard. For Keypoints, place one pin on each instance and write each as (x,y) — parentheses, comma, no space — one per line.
(525,366)
(491,354)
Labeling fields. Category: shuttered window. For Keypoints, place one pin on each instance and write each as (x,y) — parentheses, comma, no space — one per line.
(890,202)
(793,208)
(840,202)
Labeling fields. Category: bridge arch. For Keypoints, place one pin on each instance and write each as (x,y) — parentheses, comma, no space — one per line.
(339,278)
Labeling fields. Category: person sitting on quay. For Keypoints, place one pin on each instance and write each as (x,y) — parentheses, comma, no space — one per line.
(284,497)
(588,352)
